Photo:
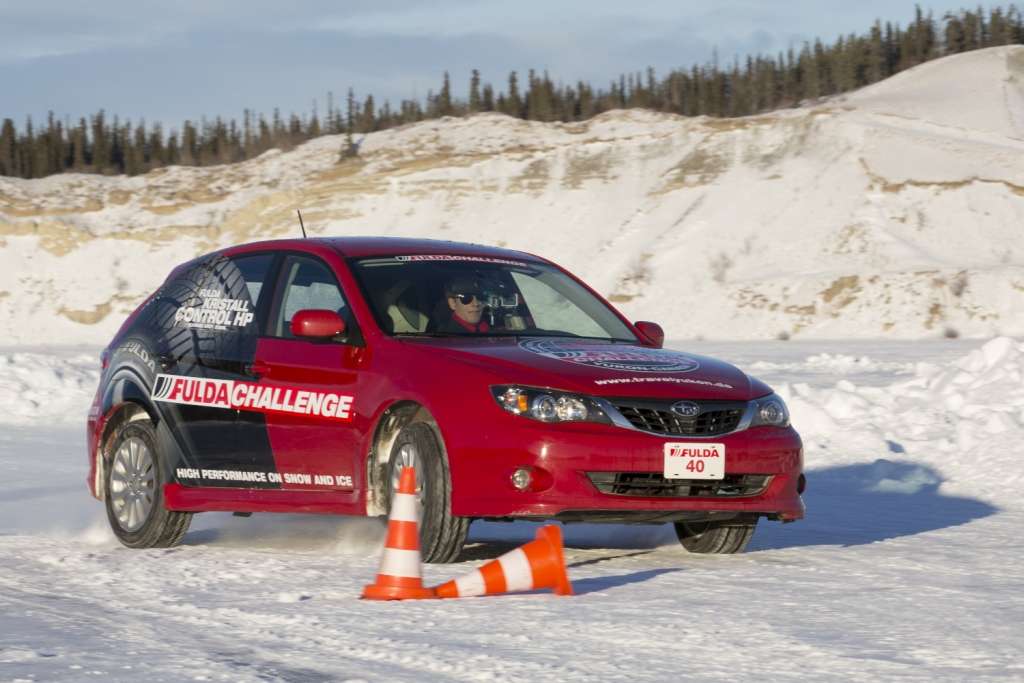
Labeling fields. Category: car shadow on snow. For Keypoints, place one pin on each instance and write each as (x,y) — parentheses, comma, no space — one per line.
(858,504)
(584,543)
(596,584)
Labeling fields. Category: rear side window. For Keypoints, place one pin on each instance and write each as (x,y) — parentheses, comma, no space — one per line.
(307,283)
(206,314)
(218,294)
(254,270)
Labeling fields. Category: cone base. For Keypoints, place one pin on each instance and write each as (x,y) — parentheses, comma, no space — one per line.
(447,590)
(375,592)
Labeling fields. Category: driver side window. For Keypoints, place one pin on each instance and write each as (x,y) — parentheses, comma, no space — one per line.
(307,283)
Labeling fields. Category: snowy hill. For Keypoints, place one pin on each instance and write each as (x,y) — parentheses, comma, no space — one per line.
(895,211)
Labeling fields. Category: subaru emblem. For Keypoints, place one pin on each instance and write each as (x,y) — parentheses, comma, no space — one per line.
(686,409)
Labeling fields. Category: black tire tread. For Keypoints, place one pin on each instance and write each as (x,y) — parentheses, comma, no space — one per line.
(164,528)
(726,538)
(442,536)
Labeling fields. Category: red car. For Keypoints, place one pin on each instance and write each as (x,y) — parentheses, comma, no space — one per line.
(300,375)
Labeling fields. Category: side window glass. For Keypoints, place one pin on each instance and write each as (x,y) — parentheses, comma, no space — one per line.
(219,295)
(254,270)
(308,283)
(206,313)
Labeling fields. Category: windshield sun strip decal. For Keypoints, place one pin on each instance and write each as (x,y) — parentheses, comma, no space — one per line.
(455,257)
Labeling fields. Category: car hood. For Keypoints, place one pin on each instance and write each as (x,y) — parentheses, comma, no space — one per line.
(597,368)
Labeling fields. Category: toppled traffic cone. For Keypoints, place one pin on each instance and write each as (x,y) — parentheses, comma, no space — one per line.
(399,577)
(536,565)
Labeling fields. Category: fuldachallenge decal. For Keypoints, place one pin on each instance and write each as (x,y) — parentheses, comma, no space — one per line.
(250,396)
(611,357)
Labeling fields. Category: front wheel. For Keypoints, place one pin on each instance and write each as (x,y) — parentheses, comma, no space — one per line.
(715,537)
(134,491)
(441,534)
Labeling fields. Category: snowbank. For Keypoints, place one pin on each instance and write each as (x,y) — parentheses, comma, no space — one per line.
(965,420)
(42,388)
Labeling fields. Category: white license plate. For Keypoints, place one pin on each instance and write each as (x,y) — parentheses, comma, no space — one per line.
(694,460)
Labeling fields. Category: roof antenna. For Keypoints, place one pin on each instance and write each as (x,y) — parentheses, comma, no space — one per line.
(301,224)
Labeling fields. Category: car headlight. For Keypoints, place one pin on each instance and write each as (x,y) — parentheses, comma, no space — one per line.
(770,410)
(546,405)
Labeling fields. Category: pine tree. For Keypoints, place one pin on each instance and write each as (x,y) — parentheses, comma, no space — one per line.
(474,92)
(8,149)
(349,149)
(513,103)
(189,144)
(79,146)
(444,98)
(157,151)
(368,117)
(488,98)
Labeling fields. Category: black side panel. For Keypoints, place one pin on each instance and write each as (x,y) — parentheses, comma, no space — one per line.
(204,323)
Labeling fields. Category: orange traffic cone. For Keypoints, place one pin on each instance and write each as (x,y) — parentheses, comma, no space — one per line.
(399,576)
(538,564)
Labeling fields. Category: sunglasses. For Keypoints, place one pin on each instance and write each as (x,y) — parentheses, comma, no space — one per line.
(466,299)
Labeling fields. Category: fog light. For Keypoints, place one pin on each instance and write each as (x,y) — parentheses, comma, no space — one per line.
(521,478)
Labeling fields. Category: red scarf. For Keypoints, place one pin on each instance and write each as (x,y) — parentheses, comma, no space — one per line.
(481,326)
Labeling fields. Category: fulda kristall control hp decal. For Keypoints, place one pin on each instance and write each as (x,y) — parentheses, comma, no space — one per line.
(251,396)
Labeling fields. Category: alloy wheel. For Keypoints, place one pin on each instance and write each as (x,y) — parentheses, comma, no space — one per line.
(132,484)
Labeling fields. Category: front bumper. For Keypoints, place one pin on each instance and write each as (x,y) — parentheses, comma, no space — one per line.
(482,487)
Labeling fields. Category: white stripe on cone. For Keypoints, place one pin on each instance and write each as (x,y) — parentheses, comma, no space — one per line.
(405,563)
(404,508)
(516,566)
(471,585)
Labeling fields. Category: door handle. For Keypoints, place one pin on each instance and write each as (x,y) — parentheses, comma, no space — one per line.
(257,368)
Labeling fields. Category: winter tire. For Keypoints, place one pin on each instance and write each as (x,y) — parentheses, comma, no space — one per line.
(441,534)
(134,498)
(720,538)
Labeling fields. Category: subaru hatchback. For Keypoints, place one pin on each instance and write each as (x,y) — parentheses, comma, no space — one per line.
(301,375)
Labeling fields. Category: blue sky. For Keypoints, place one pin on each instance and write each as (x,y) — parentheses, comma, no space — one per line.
(169,61)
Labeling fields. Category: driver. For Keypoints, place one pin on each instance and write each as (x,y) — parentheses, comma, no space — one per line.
(465,301)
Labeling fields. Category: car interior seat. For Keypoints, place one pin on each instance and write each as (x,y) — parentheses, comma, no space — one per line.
(404,310)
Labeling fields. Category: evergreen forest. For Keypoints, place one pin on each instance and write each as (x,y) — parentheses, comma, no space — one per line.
(755,84)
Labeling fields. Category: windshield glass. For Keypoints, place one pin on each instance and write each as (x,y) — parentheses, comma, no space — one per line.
(442,295)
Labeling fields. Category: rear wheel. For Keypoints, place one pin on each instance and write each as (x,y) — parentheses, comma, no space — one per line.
(134,491)
(715,537)
(441,534)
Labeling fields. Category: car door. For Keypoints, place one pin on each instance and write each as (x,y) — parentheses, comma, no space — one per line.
(314,434)
(210,317)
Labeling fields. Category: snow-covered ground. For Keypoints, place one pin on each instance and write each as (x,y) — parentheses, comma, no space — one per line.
(907,567)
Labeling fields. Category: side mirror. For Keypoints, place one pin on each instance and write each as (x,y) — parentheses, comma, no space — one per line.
(317,323)
(652,331)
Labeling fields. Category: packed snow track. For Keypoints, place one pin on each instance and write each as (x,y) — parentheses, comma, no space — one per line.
(907,566)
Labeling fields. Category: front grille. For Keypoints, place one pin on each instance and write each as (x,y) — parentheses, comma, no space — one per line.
(655,485)
(716,417)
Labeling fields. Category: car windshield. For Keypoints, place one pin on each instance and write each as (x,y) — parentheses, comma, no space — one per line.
(445,295)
